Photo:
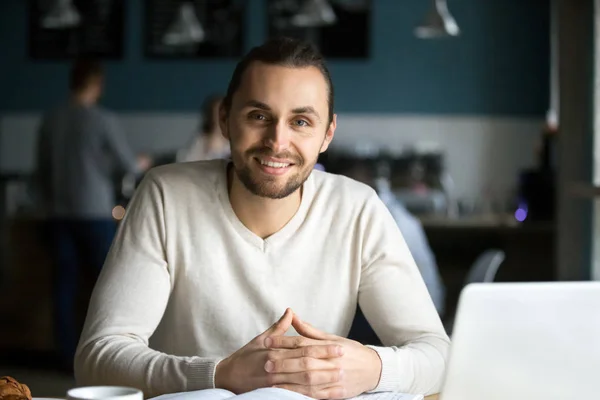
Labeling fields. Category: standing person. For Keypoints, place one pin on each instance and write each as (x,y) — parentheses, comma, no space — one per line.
(80,149)
(211,253)
(208,143)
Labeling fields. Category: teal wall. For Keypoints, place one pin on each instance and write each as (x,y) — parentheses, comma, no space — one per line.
(499,66)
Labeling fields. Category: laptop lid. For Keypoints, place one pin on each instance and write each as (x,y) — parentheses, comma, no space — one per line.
(529,341)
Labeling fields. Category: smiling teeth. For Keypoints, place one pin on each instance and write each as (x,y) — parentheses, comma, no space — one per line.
(274,164)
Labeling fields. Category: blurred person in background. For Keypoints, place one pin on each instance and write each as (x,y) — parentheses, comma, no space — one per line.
(81,149)
(417,243)
(409,225)
(208,142)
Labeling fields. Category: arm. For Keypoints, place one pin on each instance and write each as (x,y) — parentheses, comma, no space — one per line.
(127,305)
(395,301)
(118,146)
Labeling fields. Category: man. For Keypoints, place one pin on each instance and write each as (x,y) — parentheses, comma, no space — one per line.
(80,148)
(212,252)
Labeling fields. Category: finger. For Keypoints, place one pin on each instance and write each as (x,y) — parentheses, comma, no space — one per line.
(320,392)
(292,342)
(307,378)
(290,365)
(319,351)
(306,329)
(281,326)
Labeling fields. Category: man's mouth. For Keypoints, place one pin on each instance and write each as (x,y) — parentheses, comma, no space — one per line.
(274,164)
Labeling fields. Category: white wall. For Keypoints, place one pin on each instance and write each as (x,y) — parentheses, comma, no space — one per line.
(483,153)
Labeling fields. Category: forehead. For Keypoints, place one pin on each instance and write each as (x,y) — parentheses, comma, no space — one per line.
(283,87)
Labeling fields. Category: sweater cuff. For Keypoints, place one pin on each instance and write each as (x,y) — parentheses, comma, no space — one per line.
(391,376)
(201,373)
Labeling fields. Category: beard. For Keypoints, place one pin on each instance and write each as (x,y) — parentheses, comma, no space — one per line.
(271,187)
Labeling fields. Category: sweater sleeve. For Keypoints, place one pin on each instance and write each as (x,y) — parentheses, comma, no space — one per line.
(396,303)
(127,304)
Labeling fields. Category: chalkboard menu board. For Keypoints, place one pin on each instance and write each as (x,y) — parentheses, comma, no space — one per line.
(194,28)
(340,29)
(63,29)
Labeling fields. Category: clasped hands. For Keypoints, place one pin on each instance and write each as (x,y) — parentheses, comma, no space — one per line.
(315,364)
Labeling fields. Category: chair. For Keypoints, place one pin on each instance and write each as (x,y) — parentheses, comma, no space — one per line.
(483,270)
(485,267)
(361,330)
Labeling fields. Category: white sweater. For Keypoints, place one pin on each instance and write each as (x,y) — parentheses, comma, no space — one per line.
(186,283)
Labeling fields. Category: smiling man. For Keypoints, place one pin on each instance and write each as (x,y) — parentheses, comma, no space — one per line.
(211,253)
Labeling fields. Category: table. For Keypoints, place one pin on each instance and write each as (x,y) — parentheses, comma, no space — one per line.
(432,397)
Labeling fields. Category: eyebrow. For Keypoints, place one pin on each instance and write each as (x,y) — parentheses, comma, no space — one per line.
(257,104)
(298,110)
(306,110)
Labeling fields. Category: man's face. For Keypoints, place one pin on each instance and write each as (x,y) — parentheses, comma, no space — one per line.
(96,86)
(277,127)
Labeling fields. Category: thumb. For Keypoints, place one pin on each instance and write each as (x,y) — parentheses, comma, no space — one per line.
(280,327)
(307,330)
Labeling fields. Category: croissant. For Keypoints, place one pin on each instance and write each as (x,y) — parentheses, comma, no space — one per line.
(10,389)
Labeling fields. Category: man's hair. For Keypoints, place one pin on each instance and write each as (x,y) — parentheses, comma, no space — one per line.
(285,52)
(82,72)
(208,116)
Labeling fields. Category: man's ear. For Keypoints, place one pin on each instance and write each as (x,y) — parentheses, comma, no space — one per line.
(329,134)
(223,115)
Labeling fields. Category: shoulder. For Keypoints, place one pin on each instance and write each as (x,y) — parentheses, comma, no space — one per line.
(187,176)
(342,191)
(101,116)
(54,112)
(102,112)
(53,119)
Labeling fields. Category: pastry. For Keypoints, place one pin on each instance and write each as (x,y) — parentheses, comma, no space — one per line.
(10,389)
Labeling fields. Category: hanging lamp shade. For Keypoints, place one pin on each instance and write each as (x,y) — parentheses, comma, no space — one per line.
(438,22)
(314,14)
(186,28)
(62,15)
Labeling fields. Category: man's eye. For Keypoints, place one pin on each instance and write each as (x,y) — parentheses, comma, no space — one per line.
(301,122)
(258,117)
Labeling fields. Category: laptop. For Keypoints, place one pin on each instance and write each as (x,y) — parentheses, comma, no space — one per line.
(533,341)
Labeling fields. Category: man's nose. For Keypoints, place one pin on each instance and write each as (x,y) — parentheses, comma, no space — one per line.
(278,137)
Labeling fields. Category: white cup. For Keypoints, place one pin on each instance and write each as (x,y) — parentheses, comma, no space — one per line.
(105,393)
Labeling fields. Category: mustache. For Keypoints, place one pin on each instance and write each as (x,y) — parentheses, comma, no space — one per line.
(267,152)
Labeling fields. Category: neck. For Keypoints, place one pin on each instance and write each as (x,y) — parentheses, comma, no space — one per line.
(262,216)
(84,98)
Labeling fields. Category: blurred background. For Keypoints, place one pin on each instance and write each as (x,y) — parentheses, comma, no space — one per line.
(475,120)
